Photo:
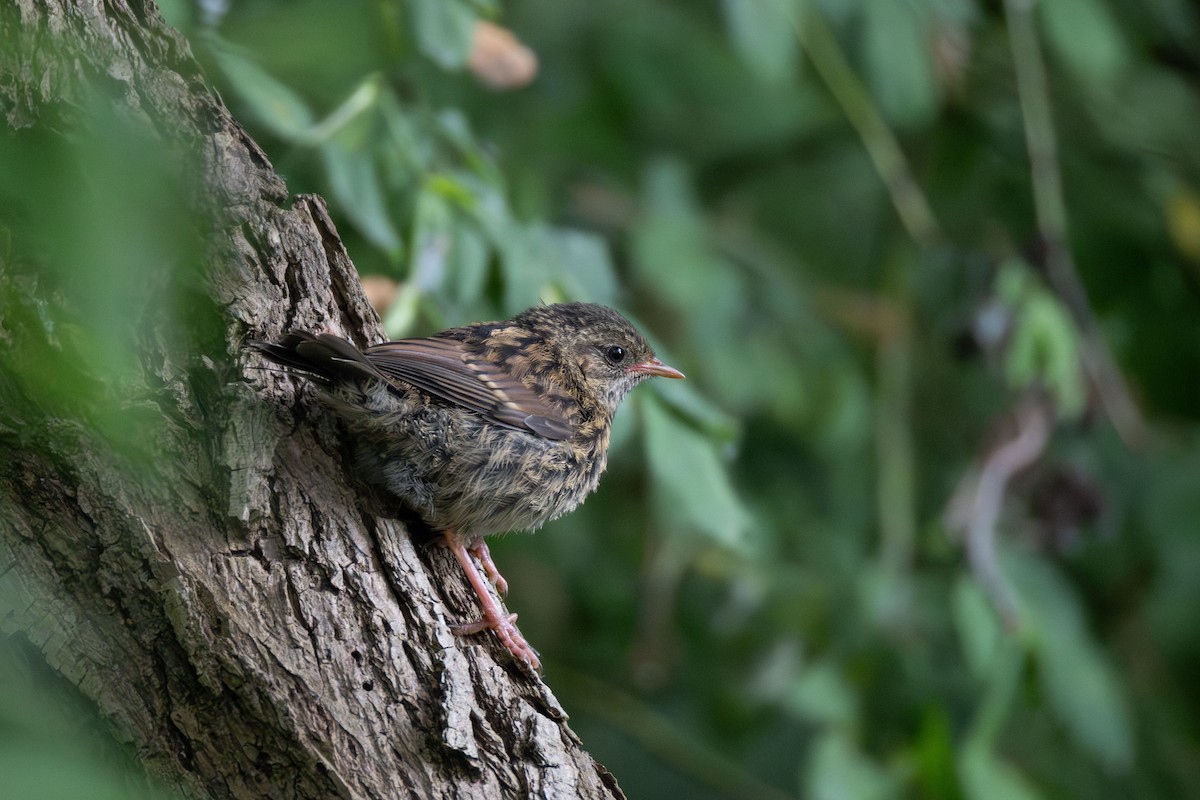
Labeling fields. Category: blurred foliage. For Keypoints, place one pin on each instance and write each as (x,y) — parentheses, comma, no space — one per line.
(95,217)
(53,745)
(101,252)
(826,213)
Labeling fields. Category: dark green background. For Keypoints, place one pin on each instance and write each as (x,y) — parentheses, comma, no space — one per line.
(764,598)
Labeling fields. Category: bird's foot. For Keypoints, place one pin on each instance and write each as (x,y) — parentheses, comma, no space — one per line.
(471,628)
(494,617)
(480,551)
(508,634)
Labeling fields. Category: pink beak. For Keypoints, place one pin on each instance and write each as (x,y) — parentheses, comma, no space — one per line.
(652,366)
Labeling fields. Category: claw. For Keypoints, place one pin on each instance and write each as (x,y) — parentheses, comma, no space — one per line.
(469,628)
(493,616)
(480,551)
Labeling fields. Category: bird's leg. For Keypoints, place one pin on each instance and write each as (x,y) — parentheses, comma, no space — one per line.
(480,551)
(493,616)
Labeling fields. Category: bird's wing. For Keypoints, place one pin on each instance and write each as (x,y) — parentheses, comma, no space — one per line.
(446,369)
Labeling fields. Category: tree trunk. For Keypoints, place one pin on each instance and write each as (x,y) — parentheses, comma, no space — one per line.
(233,611)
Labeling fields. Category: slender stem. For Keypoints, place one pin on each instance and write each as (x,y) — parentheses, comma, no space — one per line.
(1051,211)
(893,432)
(894,446)
(1033,432)
(827,57)
(1001,688)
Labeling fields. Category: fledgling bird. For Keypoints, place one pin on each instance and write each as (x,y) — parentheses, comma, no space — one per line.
(487,428)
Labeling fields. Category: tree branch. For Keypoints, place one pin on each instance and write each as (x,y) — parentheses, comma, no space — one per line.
(214,582)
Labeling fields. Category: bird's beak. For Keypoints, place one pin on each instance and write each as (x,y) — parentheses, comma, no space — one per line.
(652,366)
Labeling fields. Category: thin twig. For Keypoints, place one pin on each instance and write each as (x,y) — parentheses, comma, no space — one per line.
(1034,424)
(881,145)
(1051,210)
(894,446)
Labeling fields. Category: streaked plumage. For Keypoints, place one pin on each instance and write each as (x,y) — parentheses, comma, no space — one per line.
(486,428)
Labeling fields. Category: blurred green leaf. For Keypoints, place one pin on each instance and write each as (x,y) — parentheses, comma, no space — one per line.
(469,254)
(444,29)
(899,65)
(935,755)
(821,695)
(978,629)
(838,770)
(453,129)
(586,271)
(403,152)
(1044,343)
(764,34)
(672,245)
(1078,682)
(355,183)
(364,97)
(50,741)
(271,102)
(1086,37)
(987,777)
(432,240)
(99,214)
(526,254)
(690,485)
(700,412)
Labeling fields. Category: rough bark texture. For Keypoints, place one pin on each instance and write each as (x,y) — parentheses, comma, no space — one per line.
(239,619)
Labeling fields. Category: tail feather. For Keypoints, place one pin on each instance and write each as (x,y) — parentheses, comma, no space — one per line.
(321,355)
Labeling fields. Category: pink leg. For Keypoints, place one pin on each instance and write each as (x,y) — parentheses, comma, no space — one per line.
(493,616)
(480,551)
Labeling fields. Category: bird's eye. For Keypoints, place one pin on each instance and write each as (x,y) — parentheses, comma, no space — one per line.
(614,354)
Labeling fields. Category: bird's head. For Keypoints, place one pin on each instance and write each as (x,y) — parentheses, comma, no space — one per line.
(599,348)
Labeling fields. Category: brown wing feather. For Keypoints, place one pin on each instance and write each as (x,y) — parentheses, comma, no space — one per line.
(445,369)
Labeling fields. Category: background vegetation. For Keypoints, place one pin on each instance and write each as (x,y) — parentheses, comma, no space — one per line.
(924,519)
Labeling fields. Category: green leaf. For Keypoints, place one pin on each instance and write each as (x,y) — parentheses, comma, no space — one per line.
(691,486)
(527,265)
(838,770)
(935,753)
(1079,684)
(402,148)
(672,250)
(821,695)
(978,629)
(700,412)
(1048,330)
(764,34)
(402,312)
(349,114)
(431,241)
(899,67)
(1044,346)
(449,251)
(585,268)
(986,777)
(444,30)
(469,254)
(267,99)
(453,130)
(1086,37)
(354,182)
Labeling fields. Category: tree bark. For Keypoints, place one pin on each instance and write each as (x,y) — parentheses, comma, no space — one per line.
(236,613)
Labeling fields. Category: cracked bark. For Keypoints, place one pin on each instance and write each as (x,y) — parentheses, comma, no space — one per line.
(239,617)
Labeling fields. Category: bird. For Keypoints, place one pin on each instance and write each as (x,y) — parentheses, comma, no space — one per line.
(482,429)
